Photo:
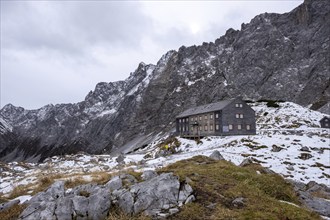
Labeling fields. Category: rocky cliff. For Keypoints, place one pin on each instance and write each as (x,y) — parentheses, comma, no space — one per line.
(275,56)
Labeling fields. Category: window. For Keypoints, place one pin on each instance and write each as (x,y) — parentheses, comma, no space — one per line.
(217,115)
(184,129)
(179,120)
(192,128)
(239,115)
(239,127)
(217,127)
(187,119)
(248,127)
(211,127)
(238,105)
(196,118)
(191,119)
(205,117)
(230,127)
(205,127)
(211,116)
(200,118)
(200,127)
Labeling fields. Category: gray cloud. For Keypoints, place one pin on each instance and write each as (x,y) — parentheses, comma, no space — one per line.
(56,51)
(71,26)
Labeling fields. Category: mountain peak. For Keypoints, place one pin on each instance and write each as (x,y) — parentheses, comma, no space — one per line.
(269,58)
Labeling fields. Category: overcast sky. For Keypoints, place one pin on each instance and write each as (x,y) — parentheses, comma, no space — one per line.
(57,51)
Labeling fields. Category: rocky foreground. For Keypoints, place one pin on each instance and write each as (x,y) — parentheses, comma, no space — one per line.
(168,195)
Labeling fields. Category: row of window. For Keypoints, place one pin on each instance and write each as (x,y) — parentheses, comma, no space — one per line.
(198,117)
(239,127)
(237,105)
(206,127)
(206,117)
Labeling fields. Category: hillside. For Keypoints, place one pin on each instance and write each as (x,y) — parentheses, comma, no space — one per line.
(289,141)
(275,56)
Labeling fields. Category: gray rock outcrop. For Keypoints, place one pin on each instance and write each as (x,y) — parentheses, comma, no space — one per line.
(148,174)
(161,195)
(307,195)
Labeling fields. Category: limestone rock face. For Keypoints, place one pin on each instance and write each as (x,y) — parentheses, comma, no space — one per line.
(148,174)
(275,56)
(161,195)
(307,192)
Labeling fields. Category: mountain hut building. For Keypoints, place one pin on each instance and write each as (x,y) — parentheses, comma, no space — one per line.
(325,122)
(227,117)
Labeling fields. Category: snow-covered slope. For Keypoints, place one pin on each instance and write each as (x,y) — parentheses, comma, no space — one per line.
(289,141)
(5,126)
(290,64)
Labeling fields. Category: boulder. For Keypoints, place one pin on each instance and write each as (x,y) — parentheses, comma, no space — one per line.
(305,156)
(238,202)
(124,199)
(305,149)
(99,205)
(128,179)
(246,161)
(216,155)
(148,174)
(159,192)
(184,193)
(120,159)
(9,204)
(290,167)
(114,184)
(276,148)
(64,208)
(39,210)
(80,205)
(190,199)
(306,194)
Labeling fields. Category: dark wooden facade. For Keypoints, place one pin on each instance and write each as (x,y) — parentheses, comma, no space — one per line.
(325,122)
(228,117)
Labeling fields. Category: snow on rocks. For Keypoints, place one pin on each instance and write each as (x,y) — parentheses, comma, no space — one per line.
(289,141)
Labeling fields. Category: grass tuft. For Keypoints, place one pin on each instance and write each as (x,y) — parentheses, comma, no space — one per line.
(220,182)
(13,212)
(116,213)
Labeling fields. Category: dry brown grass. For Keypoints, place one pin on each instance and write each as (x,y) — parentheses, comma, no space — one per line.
(220,182)
(75,181)
(12,213)
(18,191)
(117,214)
(137,175)
(101,177)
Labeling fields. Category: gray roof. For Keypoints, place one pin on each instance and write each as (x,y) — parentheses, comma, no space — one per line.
(325,117)
(206,108)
